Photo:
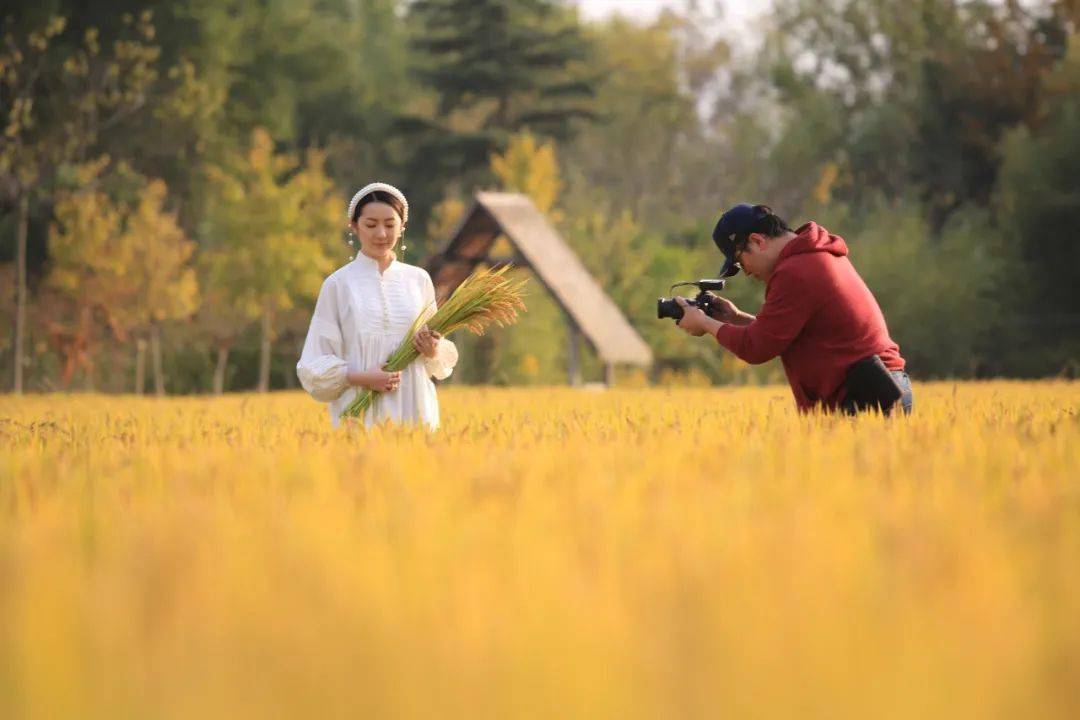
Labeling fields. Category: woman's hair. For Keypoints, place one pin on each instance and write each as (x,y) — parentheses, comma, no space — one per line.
(379,196)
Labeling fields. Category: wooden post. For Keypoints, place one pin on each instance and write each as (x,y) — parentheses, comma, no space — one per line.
(220,367)
(609,374)
(573,351)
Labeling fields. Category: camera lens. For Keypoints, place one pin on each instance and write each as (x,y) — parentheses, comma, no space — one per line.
(668,308)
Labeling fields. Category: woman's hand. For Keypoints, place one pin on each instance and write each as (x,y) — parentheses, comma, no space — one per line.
(378,379)
(426,341)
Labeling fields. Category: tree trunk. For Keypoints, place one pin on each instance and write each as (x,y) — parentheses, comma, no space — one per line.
(140,366)
(22,223)
(264,351)
(85,346)
(155,354)
(290,377)
(219,369)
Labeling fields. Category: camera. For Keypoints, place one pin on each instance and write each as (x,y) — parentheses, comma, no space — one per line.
(670,308)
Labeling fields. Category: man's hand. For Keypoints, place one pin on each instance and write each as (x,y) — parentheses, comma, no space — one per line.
(694,321)
(722,309)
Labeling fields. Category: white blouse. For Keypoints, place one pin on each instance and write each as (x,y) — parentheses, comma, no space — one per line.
(360,318)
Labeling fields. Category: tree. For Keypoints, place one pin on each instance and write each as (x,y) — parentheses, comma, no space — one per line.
(119,263)
(1039,196)
(217,318)
(495,68)
(268,221)
(647,152)
(906,95)
(55,106)
(530,168)
(943,292)
(329,74)
(510,62)
(91,263)
(163,282)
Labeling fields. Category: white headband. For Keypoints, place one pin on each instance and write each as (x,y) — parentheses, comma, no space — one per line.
(379,186)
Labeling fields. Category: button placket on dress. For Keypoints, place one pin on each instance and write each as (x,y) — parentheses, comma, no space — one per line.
(385,305)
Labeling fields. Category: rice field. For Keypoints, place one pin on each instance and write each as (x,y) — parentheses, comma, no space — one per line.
(549,553)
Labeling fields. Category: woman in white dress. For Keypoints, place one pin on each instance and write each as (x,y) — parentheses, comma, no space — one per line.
(363,313)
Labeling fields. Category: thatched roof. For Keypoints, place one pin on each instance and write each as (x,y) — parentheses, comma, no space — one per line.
(540,247)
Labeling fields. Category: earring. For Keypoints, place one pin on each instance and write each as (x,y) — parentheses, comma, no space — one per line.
(404,247)
(350,240)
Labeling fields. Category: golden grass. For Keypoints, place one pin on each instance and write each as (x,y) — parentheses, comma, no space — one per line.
(549,553)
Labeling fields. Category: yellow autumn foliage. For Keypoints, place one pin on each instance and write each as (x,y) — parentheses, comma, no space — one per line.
(269,219)
(531,168)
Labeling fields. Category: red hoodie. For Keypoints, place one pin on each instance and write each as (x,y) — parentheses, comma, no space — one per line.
(819,317)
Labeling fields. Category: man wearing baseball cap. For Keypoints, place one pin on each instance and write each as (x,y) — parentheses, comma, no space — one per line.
(819,317)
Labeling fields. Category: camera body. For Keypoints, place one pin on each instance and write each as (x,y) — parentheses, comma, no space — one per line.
(670,308)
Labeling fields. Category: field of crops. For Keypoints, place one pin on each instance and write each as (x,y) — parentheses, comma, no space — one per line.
(549,553)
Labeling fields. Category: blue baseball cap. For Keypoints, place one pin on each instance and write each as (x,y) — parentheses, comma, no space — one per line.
(741,219)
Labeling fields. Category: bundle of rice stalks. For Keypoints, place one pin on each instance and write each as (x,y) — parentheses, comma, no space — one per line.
(487,296)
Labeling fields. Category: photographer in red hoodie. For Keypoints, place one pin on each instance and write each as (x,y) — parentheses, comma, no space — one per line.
(818,316)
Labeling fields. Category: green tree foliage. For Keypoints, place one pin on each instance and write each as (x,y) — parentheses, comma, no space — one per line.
(633,150)
(1040,204)
(936,136)
(310,70)
(58,96)
(492,68)
(908,95)
(508,63)
(943,292)
(330,74)
(647,152)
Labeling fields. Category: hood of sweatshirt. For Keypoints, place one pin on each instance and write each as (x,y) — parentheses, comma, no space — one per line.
(812,238)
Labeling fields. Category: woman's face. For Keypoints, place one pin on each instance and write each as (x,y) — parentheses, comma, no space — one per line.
(378,228)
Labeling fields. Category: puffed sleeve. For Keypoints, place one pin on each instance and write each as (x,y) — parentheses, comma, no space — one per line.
(446,352)
(322,369)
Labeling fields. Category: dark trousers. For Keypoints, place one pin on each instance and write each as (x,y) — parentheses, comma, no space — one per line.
(905,401)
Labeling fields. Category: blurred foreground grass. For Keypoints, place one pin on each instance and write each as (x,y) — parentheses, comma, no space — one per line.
(548,553)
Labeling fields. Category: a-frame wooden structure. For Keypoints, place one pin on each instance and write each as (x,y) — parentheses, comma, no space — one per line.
(590,313)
